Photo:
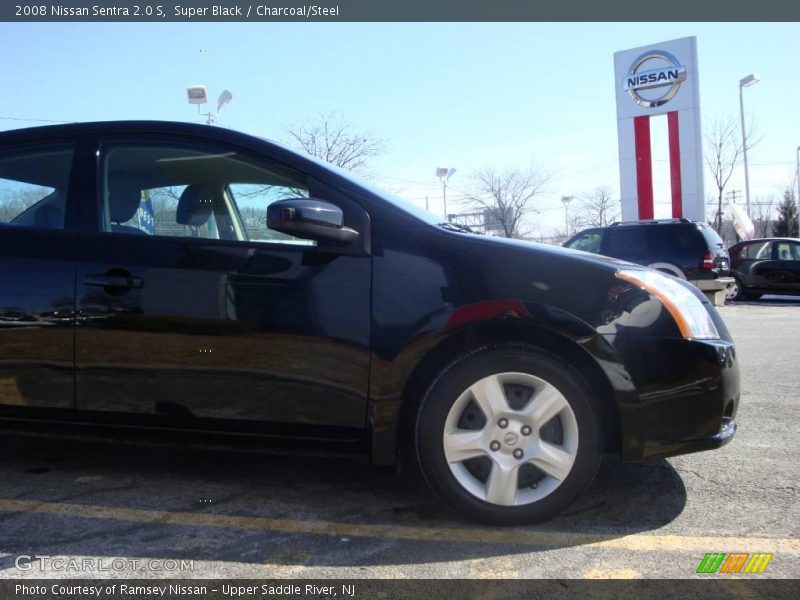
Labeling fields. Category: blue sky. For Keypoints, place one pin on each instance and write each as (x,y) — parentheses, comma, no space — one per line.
(461,95)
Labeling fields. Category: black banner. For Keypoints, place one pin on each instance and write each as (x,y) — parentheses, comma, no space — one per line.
(395,589)
(400,10)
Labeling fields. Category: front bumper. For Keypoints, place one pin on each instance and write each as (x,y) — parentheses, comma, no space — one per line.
(688,396)
(725,435)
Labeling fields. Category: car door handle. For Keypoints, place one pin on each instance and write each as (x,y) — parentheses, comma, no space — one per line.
(114,281)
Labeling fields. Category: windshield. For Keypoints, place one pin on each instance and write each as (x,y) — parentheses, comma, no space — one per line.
(401,203)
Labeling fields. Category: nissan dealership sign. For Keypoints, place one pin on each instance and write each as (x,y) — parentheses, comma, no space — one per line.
(662,83)
(656,80)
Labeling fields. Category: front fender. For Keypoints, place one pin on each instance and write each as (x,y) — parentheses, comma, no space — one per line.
(398,382)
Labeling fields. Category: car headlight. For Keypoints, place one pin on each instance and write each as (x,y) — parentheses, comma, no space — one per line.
(689,313)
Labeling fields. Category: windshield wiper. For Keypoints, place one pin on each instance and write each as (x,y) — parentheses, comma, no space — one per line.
(456,227)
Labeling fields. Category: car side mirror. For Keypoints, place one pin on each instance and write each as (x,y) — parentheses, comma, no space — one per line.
(309,218)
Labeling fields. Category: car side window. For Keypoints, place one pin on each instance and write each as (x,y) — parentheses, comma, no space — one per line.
(588,241)
(184,191)
(627,241)
(663,239)
(787,251)
(758,251)
(33,187)
(252,201)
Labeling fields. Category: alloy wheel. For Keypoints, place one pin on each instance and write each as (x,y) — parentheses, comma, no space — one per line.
(732,291)
(510,439)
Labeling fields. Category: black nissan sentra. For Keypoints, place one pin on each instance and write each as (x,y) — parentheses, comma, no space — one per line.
(198,280)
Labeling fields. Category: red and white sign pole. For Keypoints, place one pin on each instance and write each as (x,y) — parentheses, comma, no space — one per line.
(659,80)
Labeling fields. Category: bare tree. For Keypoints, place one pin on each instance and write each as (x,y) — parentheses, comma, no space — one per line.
(509,195)
(165,200)
(331,138)
(762,220)
(598,210)
(723,141)
(15,202)
(575,224)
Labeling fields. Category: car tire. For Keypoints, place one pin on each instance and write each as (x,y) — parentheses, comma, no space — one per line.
(733,291)
(740,293)
(509,435)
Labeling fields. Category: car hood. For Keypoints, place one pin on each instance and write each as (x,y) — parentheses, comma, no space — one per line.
(556,253)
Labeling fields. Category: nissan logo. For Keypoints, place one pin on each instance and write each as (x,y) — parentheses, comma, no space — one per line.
(652,73)
(510,438)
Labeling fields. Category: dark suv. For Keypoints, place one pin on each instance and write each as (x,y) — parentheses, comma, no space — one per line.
(686,249)
(192,279)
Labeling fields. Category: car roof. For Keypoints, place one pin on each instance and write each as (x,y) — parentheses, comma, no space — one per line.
(193,130)
(771,239)
(661,222)
(132,126)
(624,224)
(296,158)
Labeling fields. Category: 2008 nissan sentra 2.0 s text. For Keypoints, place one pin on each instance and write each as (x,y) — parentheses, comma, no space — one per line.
(198,280)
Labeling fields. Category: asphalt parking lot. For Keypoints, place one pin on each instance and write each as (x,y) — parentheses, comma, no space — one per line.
(197,513)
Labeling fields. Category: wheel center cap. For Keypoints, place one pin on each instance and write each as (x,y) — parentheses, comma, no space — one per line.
(510,438)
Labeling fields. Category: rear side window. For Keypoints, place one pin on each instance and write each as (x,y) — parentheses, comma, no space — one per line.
(667,238)
(33,187)
(758,251)
(625,241)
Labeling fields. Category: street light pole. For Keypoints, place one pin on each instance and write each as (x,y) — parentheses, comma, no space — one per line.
(444,174)
(566,200)
(198,94)
(751,79)
(797,174)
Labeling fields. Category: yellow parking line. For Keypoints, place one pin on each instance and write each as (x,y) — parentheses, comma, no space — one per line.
(477,534)
(611,574)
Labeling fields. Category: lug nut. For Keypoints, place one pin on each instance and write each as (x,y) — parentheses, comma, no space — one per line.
(495,446)
(503,423)
(525,430)
(518,453)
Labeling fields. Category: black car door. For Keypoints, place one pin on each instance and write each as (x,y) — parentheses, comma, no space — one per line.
(38,229)
(787,255)
(754,264)
(194,313)
(765,270)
